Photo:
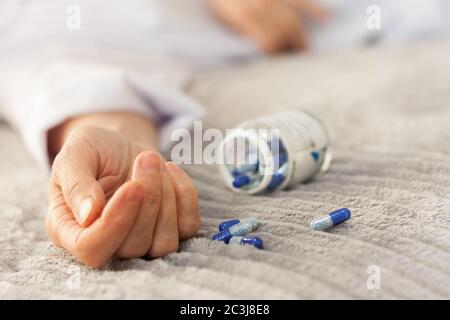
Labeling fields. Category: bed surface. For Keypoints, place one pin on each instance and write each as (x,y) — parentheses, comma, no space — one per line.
(388,113)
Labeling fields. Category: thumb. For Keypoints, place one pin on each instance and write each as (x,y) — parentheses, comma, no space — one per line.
(82,192)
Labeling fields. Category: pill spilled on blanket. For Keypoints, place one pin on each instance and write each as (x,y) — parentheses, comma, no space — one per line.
(240,229)
(234,231)
(229,223)
(254,241)
(332,219)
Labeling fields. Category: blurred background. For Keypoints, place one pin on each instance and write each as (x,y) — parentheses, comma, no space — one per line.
(207,32)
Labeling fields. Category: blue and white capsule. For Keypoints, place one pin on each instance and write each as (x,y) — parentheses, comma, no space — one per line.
(240,229)
(229,223)
(243,241)
(332,219)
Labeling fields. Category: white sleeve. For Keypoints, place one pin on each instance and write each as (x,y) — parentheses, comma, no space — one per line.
(37,96)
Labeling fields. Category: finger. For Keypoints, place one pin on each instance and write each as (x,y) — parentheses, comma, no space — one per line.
(165,238)
(312,9)
(273,33)
(188,212)
(299,38)
(292,30)
(74,170)
(147,172)
(253,19)
(96,244)
(268,37)
(59,214)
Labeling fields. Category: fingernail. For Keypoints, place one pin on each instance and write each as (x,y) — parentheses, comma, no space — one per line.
(150,162)
(173,167)
(85,209)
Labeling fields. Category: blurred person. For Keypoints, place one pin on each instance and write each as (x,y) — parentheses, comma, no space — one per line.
(96,88)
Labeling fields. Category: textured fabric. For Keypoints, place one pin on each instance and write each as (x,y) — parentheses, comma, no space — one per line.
(388,113)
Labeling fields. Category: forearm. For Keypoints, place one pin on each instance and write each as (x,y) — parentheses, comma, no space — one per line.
(136,127)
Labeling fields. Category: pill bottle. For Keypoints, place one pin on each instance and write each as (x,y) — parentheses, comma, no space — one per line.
(274,152)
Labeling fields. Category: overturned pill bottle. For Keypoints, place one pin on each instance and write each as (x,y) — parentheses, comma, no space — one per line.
(274,152)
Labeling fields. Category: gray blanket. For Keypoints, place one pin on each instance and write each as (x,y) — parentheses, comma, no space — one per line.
(388,113)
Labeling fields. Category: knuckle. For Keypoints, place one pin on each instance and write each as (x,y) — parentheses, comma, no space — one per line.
(271,44)
(189,228)
(94,261)
(91,257)
(54,221)
(53,197)
(80,132)
(162,249)
(132,250)
(56,201)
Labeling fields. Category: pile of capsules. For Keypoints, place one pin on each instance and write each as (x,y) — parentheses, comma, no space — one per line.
(234,232)
(249,173)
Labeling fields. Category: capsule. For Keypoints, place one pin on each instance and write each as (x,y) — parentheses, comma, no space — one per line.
(240,229)
(277,178)
(244,169)
(332,219)
(254,241)
(315,155)
(229,223)
(241,181)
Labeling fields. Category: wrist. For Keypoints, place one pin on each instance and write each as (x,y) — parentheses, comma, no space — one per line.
(135,127)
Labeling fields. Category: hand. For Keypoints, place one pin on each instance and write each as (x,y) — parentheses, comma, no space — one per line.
(275,25)
(111,197)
